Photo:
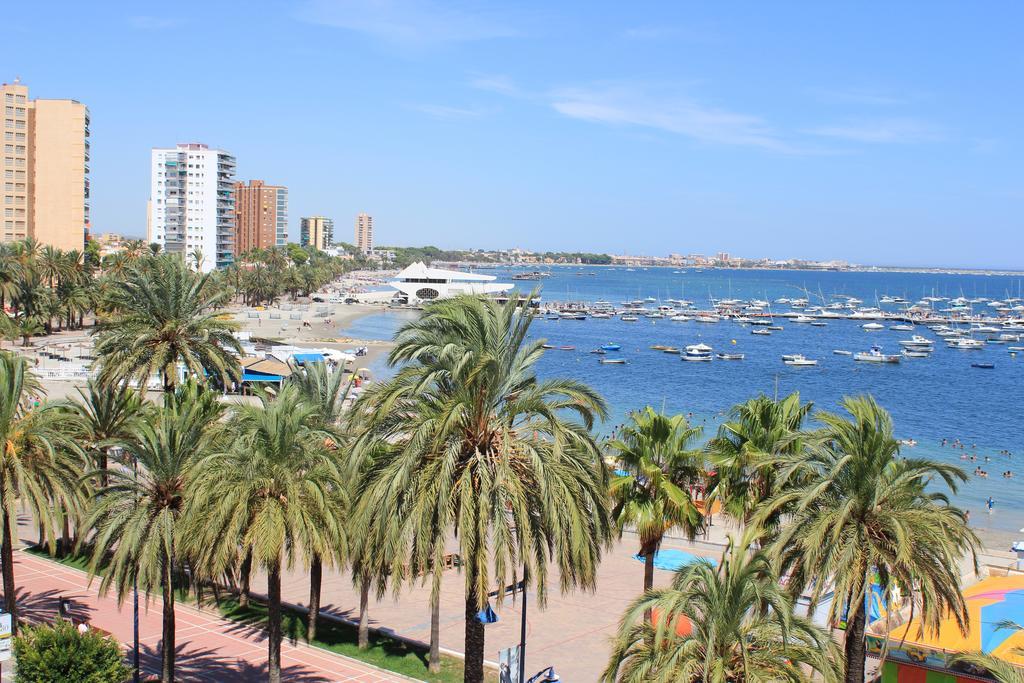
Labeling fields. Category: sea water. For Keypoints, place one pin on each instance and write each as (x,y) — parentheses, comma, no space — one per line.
(930,399)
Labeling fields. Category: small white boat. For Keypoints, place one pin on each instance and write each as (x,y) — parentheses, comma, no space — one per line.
(600,316)
(729,356)
(840,352)
(774,328)
(697,352)
(909,353)
(917,342)
(706,319)
(612,361)
(872,327)
(875,355)
(902,328)
(761,332)
(680,318)
(965,344)
(629,318)
(818,323)
(803,319)
(799,361)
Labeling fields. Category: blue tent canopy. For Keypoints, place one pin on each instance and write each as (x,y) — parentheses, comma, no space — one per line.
(302,358)
(260,377)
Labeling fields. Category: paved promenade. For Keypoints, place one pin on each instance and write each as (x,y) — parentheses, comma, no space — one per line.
(210,648)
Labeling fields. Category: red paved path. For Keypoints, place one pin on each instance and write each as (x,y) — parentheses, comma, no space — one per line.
(210,648)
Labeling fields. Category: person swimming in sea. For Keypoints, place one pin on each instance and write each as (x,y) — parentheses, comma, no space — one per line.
(990,503)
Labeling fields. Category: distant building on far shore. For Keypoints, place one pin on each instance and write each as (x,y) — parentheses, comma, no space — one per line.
(192,204)
(45,190)
(261,216)
(364,233)
(317,232)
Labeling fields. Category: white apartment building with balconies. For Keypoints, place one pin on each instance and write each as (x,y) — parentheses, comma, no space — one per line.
(192,204)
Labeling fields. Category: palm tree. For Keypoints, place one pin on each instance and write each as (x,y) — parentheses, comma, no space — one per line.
(39,462)
(659,472)
(856,510)
(487,451)
(326,392)
(746,449)
(727,624)
(138,514)
(108,416)
(277,493)
(166,315)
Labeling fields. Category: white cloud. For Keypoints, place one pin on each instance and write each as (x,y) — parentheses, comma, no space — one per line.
(897,130)
(441,111)
(496,83)
(408,22)
(630,105)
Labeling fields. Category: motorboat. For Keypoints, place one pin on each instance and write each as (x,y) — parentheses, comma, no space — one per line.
(917,342)
(798,360)
(566,348)
(547,346)
(599,352)
(680,318)
(611,346)
(774,328)
(791,356)
(760,331)
(672,350)
(803,319)
(600,315)
(902,328)
(983,366)
(840,352)
(629,318)
(875,355)
(965,344)
(729,356)
(872,327)
(910,353)
(660,347)
(706,319)
(697,352)
(818,323)
(612,361)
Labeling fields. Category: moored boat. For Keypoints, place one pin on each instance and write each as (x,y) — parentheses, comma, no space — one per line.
(798,360)
(875,355)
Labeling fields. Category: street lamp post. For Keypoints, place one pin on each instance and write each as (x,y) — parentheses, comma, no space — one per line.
(522,634)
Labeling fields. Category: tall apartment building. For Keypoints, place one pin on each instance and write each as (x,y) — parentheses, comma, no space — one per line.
(317,231)
(45,186)
(364,233)
(192,205)
(261,216)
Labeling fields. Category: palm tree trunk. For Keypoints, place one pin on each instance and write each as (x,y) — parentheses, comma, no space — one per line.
(274,622)
(854,648)
(103,463)
(364,616)
(434,662)
(167,647)
(65,535)
(316,573)
(245,572)
(7,557)
(648,579)
(474,666)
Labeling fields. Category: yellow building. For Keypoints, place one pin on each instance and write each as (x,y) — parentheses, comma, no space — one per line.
(316,232)
(45,163)
(364,233)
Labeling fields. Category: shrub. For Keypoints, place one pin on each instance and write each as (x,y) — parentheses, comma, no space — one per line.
(48,654)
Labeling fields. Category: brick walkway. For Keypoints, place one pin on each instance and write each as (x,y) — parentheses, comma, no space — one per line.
(210,648)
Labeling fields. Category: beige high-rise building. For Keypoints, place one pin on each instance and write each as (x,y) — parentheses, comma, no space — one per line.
(261,216)
(364,233)
(45,162)
(317,232)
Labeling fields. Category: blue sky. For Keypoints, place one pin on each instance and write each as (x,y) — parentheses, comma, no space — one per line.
(876,132)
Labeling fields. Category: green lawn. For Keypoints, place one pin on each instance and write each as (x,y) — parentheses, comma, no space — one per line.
(384,652)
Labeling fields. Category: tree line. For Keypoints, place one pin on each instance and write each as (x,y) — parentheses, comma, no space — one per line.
(465,444)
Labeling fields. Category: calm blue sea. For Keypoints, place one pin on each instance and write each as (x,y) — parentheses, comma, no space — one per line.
(930,399)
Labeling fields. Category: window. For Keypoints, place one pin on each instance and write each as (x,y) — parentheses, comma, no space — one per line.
(8,135)
(9,97)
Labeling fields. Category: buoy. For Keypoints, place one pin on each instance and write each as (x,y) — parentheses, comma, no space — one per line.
(733,341)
